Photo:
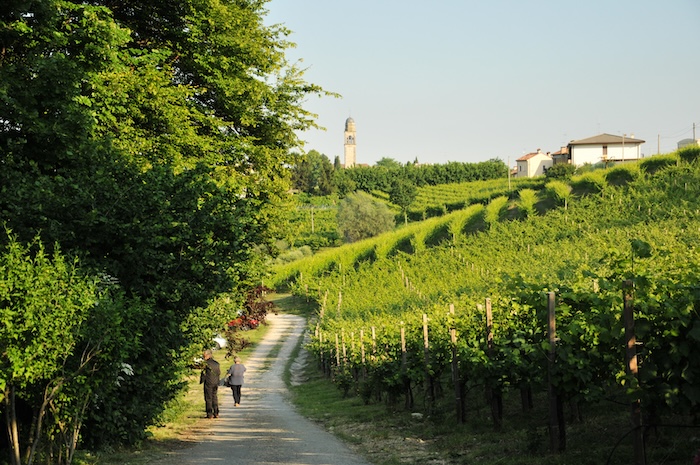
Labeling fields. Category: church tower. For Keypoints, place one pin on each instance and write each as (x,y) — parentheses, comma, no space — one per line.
(350,140)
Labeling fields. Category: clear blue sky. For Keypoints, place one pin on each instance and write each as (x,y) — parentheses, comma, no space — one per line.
(467,80)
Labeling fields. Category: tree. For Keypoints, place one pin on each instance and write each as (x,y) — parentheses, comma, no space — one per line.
(389,163)
(361,216)
(313,174)
(560,171)
(403,193)
(151,139)
(45,303)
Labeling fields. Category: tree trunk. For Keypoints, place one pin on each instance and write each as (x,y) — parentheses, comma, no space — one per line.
(12,430)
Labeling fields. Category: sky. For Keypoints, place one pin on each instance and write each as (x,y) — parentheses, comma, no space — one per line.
(469,81)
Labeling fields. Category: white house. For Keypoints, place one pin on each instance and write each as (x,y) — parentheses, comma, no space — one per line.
(533,164)
(605,148)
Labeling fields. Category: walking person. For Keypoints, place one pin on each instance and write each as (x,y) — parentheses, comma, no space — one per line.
(235,375)
(210,378)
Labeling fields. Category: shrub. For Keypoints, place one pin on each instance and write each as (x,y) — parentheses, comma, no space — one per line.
(495,209)
(591,182)
(361,216)
(558,191)
(689,154)
(658,162)
(526,204)
(560,171)
(622,174)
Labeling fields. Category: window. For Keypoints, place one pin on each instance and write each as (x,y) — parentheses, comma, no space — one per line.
(605,150)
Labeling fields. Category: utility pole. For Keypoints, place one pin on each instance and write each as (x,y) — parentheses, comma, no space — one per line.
(509,174)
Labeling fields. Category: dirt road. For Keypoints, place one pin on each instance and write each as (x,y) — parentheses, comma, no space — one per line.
(264,429)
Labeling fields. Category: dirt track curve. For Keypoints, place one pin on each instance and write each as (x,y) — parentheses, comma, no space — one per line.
(265,428)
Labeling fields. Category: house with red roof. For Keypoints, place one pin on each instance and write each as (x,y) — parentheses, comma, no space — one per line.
(533,164)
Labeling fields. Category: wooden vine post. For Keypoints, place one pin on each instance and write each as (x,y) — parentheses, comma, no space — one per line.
(337,350)
(632,370)
(493,395)
(404,370)
(362,353)
(459,404)
(426,353)
(557,430)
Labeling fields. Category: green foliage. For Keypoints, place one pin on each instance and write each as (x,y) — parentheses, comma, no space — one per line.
(151,140)
(313,174)
(591,182)
(658,162)
(361,216)
(45,320)
(559,191)
(560,171)
(451,197)
(389,163)
(526,204)
(402,193)
(689,154)
(622,174)
(380,177)
(645,231)
(495,210)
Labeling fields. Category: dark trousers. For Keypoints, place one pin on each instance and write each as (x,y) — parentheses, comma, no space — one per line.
(236,393)
(210,400)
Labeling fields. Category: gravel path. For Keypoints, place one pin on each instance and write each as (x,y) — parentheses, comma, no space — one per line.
(264,429)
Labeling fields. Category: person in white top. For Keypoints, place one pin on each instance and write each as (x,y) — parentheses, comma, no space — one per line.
(235,379)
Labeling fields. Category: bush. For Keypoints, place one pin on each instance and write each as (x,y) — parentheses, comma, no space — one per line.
(657,163)
(622,174)
(592,182)
(361,216)
(526,204)
(560,171)
(558,191)
(689,154)
(495,209)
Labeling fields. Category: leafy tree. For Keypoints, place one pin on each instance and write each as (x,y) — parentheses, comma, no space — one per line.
(361,216)
(343,183)
(151,139)
(389,163)
(560,171)
(45,303)
(313,174)
(403,193)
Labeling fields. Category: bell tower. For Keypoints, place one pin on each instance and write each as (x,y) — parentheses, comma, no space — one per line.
(350,141)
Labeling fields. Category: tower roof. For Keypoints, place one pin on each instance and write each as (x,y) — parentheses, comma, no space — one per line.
(349,124)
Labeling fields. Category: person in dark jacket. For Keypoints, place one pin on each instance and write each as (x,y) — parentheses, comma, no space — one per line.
(210,378)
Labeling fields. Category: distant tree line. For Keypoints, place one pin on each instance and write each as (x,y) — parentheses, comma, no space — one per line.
(316,175)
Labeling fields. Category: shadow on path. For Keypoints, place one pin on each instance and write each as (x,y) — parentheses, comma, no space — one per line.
(264,429)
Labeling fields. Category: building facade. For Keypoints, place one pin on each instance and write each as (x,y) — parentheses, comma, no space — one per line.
(605,148)
(533,164)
